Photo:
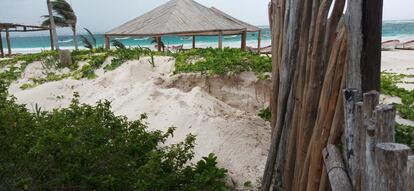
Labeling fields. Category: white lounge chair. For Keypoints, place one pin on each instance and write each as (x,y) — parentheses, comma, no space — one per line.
(389,45)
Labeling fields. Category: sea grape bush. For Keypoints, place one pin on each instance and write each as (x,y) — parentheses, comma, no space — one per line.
(404,134)
(221,62)
(85,147)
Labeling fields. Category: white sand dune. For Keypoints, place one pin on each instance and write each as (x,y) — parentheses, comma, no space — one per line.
(221,112)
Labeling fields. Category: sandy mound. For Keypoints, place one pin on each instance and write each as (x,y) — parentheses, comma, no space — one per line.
(221,112)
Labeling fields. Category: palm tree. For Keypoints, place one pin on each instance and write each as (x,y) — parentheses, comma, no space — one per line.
(52,25)
(64,17)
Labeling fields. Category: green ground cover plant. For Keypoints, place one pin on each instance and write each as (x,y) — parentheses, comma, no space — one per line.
(86,147)
(389,87)
(222,62)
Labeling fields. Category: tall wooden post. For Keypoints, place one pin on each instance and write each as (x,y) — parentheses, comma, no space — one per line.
(1,46)
(8,42)
(107,44)
(51,39)
(159,43)
(194,41)
(220,40)
(371,56)
(243,40)
(259,40)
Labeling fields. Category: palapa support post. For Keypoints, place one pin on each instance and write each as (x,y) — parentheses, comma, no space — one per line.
(158,39)
(51,39)
(107,44)
(391,167)
(220,40)
(259,40)
(194,41)
(1,46)
(8,42)
(243,41)
(336,169)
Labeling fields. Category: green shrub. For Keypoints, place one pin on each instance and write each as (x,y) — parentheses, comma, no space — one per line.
(87,147)
(221,62)
(405,135)
(265,114)
(389,87)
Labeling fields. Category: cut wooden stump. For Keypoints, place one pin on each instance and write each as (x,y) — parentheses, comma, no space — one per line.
(391,167)
(65,58)
(410,173)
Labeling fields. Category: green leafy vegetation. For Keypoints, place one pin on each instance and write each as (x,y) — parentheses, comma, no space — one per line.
(404,134)
(389,87)
(121,55)
(87,147)
(265,114)
(221,62)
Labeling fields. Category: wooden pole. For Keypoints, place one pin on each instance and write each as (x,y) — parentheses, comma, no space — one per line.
(391,167)
(107,42)
(51,39)
(371,100)
(1,46)
(159,43)
(259,40)
(194,41)
(335,168)
(371,56)
(350,97)
(243,41)
(220,40)
(8,42)
(410,171)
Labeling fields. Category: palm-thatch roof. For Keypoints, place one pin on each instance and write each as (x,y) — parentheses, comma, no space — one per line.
(182,17)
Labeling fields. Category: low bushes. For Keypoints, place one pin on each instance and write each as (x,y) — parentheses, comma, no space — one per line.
(87,147)
(222,62)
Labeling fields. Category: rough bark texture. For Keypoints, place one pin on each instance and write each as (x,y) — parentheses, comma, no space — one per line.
(410,173)
(338,178)
(317,52)
(391,167)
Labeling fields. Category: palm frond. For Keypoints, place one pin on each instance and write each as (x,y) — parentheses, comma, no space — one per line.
(87,43)
(59,21)
(117,44)
(91,35)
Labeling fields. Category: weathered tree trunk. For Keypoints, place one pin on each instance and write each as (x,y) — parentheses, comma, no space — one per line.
(75,37)
(52,25)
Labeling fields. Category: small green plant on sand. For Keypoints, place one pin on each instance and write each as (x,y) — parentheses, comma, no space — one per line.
(228,61)
(265,114)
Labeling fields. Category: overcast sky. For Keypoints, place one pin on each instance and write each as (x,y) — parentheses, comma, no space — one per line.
(103,15)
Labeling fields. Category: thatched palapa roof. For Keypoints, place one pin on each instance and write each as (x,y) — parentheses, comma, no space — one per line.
(182,17)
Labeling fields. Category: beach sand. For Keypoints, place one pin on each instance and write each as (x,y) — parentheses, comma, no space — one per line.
(220,111)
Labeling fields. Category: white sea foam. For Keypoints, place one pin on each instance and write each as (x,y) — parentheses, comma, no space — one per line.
(233,44)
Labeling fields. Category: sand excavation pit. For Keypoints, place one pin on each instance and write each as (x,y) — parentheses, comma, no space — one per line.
(220,111)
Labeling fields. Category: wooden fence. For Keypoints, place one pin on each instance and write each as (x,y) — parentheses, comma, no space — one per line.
(372,159)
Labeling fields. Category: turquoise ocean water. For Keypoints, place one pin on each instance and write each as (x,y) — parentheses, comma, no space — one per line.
(402,30)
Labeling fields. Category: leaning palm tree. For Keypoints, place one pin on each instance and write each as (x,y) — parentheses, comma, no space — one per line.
(64,17)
